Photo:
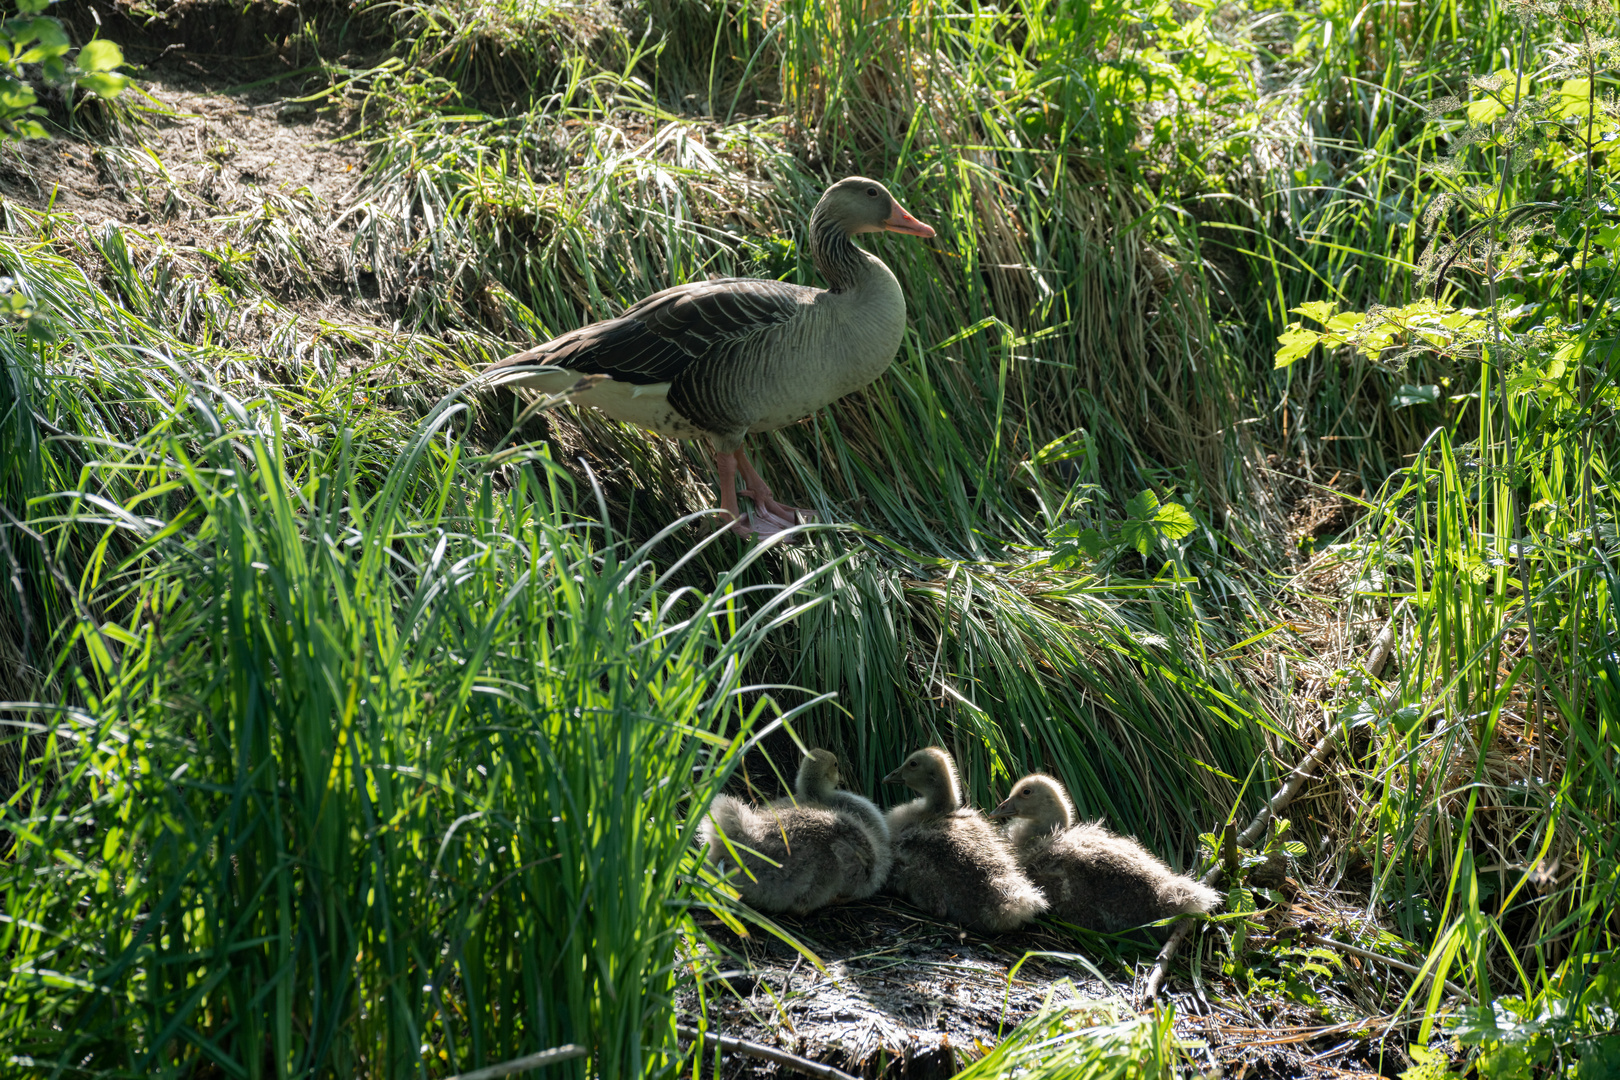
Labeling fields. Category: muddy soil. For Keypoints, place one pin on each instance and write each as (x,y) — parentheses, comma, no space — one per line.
(897,993)
(900,996)
(189,169)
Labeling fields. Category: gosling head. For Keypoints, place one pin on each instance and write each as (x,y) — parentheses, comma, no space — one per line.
(818,776)
(1041,800)
(931,773)
(856,205)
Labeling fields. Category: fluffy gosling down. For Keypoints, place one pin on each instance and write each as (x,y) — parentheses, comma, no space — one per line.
(1091,877)
(948,860)
(797,856)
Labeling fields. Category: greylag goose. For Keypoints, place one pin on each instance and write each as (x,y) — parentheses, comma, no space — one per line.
(721,359)
(1092,877)
(800,855)
(948,860)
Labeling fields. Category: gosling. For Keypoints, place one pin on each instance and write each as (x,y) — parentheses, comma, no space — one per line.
(1092,877)
(948,860)
(796,857)
(817,784)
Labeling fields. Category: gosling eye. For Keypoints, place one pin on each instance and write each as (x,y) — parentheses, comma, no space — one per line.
(871,193)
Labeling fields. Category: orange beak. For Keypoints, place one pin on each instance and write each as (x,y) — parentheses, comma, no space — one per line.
(901,222)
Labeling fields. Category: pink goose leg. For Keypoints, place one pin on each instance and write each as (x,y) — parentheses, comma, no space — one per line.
(756,488)
(769,516)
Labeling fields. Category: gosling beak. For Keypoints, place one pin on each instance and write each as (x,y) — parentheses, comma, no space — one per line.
(901,222)
(1006,809)
(893,778)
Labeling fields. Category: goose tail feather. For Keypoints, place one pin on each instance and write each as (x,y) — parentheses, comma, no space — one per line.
(1186,896)
(728,819)
(1020,901)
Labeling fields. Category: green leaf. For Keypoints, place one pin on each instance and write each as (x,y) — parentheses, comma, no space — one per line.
(1484,110)
(1320,310)
(103,84)
(53,41)
(1431,1064)
(1344,322)
(16,99)
(52,36)
(1294,344)
(100,55)
(1572,101)
(1139,535)
(1069,542)
(1174,521)
(1405,718)
(1360,711)
(1143,507)
(1408,395)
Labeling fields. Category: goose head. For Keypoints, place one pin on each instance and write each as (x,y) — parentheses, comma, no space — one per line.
(931,773)
(1041,800)
(818,776)
(858,205)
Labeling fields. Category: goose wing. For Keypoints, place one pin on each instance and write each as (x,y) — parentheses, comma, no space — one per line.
(671,333)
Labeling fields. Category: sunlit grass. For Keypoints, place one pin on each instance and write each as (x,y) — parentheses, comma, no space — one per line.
(375,763)
(1075,1036)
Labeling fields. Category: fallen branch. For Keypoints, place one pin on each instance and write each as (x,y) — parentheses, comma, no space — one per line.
(1256,829)
(1382,646)
(523,1064)
(764,1053)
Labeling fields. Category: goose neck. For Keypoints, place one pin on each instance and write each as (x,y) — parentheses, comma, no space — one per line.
(944,800)
(840,262)
(1023,832)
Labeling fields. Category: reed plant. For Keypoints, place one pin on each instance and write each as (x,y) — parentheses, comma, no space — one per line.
(373,764)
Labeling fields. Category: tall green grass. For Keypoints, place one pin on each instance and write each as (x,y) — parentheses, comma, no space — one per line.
(1032,321)
(1498,541)
(386,699)
(365,762)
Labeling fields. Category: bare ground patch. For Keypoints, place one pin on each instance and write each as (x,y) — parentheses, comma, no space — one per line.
(901,996)
(241,184)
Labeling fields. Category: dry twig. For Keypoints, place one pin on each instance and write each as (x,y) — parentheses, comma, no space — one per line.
(524,1064)
(764,1053)
(1368,954)
(1256,829)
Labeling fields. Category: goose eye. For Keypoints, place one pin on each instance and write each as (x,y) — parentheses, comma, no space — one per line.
(871,192)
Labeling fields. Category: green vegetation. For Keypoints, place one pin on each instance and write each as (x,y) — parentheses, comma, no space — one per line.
(33,38)
(355,717)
